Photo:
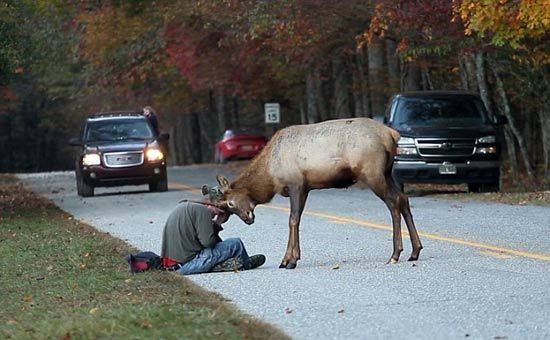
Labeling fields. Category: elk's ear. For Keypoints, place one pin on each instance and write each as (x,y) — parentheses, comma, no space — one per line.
(205,189)
(224,182)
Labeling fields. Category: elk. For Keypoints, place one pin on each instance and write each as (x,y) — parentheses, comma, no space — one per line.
(330,154)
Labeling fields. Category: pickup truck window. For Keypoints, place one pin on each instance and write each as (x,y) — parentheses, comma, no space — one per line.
(438,112)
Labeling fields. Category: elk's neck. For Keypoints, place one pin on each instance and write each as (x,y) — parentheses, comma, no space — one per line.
(257,181)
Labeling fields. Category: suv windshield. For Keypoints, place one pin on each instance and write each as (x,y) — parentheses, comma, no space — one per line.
(114,130)
(458,111)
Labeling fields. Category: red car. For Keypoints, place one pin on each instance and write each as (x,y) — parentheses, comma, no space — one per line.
(238,144)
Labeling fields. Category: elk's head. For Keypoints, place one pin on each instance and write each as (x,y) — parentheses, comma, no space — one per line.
(237,201)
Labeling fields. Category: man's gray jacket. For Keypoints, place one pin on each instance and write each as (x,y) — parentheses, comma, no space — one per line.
(188,230)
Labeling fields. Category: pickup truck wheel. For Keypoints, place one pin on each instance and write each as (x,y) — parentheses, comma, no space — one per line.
(82,188)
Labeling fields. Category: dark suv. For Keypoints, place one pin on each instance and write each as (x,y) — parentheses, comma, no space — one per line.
(446,137)
(120,148)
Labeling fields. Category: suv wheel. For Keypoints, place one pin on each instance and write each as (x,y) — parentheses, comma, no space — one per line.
(82,188)
(159,185)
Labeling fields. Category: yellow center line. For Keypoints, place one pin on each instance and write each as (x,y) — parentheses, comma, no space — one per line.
(342,219)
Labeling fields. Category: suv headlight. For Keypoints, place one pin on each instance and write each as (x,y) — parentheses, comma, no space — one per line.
(154,155)
(91,159)
(486,139)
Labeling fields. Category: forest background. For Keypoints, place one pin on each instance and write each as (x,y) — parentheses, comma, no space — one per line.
(209,65)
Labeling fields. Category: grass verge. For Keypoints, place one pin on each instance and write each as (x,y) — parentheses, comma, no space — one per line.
(60,278)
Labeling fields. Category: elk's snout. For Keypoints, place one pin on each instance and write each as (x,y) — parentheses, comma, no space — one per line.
(247,217)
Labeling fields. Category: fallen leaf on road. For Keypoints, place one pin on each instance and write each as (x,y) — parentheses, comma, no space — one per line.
(341,311)
(336,267)
(288,310)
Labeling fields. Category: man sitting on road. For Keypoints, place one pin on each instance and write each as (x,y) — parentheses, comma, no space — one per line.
(190,238)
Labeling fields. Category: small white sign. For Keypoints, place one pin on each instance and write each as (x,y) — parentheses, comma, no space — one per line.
(272,113)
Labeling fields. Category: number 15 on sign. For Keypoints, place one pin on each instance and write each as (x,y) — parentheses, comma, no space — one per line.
(272,113)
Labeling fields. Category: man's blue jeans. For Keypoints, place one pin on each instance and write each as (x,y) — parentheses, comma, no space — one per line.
(209,257)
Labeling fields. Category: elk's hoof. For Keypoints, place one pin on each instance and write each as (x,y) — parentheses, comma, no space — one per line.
(413,258)
(391,261)
(291,265)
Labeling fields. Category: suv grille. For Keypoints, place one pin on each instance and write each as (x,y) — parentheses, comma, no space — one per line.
(433,147)
(123,159)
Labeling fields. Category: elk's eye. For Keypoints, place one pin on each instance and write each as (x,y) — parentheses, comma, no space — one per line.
(231,204)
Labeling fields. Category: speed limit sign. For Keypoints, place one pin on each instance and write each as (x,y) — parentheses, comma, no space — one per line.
(272,113)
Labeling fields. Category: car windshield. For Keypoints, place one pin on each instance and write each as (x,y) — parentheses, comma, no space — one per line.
(459,111)
(115,130)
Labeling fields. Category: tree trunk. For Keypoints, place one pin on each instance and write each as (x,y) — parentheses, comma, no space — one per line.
(393,65)
(410,76)
(341,93)
(235,123)
(511,125)
(322,105)
(463,72)
(544,120)
(377,77)
(470,72)
(427,84)
(221,108)
(311,97)
(362,100)
(303,113)
(511,149)
(207,135)
(194,138)
(481,78)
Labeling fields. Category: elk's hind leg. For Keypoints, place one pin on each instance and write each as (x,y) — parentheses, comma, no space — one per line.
(407,215)
(384,190)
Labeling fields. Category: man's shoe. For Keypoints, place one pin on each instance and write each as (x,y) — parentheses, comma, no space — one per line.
(255,261)
(229,265)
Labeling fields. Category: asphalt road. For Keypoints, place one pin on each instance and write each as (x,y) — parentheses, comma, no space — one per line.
(484,272)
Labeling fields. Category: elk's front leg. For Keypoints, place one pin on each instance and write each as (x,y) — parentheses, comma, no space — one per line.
(298,198)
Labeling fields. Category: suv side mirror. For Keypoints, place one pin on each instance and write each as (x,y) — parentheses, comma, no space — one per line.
(164,136)
(75,142)
(499,119)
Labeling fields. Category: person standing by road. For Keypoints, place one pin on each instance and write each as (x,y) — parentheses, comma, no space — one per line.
(150,114)
(191,240)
